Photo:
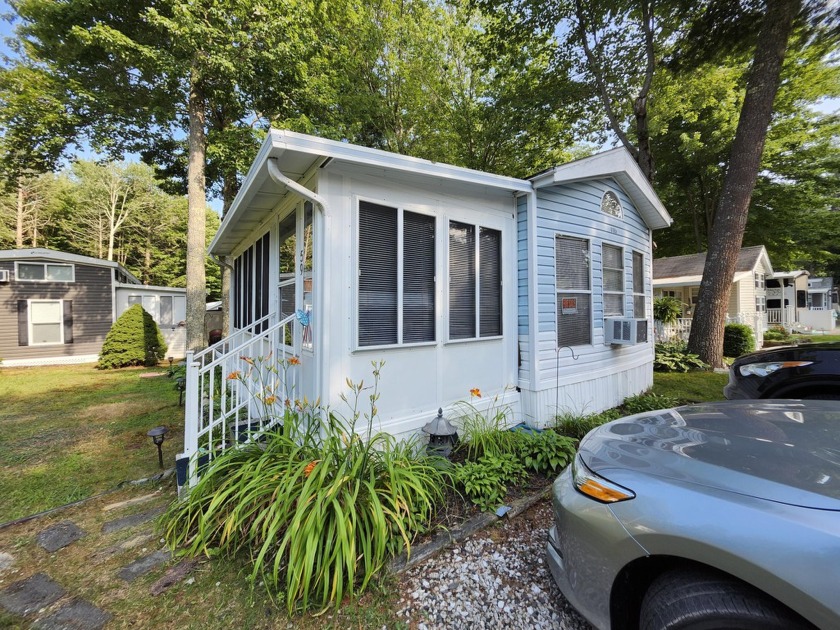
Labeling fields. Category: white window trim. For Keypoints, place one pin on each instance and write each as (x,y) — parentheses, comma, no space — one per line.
(623,269)
(477,227)
(29,321)
(401,208)
(18,263)
(586,291)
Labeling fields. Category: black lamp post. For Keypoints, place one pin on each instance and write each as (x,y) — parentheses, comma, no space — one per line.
(443,437)
(158,435)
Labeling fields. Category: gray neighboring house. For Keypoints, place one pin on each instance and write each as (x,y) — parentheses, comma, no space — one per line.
(57,307)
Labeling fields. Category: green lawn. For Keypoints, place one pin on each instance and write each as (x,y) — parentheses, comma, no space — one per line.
(690,386)
(71,431)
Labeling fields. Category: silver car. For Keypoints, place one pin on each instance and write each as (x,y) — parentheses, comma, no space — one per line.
(720,515)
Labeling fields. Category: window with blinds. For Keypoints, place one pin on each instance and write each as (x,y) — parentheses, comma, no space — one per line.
(639,310)
(396,276)
(612,260)
(475,281)
(574,294)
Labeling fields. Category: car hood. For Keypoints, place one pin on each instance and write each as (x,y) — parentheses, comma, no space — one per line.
(786,451)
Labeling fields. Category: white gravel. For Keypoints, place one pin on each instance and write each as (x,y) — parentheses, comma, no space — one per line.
(498,578)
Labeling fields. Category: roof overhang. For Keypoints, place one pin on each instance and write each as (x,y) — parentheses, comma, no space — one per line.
(693,281)
(619,165)
(40,254)
(150,288)
(299,155)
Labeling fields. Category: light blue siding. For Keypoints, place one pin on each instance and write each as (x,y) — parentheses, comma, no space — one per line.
(522,262)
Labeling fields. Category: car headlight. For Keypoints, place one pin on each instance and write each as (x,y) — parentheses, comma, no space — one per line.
(595,486)
(765,369)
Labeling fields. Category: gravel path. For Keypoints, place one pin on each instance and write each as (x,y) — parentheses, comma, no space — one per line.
(498,578)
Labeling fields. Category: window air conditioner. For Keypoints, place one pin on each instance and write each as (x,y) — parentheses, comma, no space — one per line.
(625,331)
(4,275)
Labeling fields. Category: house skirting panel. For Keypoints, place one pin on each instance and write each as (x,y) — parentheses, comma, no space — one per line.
(82,358)
(589,395)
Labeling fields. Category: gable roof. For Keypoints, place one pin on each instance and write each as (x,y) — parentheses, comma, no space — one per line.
(620,166)
(41,254)
(688,270)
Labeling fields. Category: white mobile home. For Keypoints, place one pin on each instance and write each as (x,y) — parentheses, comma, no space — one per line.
(457,279)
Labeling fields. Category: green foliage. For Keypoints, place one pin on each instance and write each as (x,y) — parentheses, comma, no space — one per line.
(485,432)
(667,309)
(485,481)
(318,509)
(648,402)
(577,426)
(545,452)
(738,339)
(778,333)
(134,339)
(675,357)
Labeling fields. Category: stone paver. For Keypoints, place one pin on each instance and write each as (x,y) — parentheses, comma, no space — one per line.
(143,565)
(121,504)
(31,595)
(103,554)
(7,561)
(59,536)
(133,520)
(77,615)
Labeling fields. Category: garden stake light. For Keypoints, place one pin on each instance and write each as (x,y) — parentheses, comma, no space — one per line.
(443,437)
(158,435)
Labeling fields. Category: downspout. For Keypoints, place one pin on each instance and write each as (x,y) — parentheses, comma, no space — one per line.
(279,177)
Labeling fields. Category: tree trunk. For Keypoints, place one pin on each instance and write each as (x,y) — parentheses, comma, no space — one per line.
(20,211)
(196,222)
(707,326)
(228,195)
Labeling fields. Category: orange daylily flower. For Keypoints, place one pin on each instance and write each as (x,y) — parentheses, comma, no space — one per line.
(475,392)
(270,400)
(294,361)
(310,467)
(234,375)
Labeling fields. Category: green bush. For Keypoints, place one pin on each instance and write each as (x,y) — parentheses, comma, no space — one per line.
(738,339)
(485,481)
(667,309)
(648,402)
(577,426)
(485,432)
(134,339)
(546,452)
(675,357)
(318,509)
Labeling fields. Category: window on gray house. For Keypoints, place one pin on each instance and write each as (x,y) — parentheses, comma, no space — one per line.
(165,310)
(396,276)
(475,281)
(612,259)
(574,294)
(639,310)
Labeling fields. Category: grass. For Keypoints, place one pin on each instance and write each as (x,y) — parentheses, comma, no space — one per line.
(72,431)
(690,387)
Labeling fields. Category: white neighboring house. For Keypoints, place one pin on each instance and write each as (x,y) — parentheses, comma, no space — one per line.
(457,279)
(680,276)
(166,305)
(798,302)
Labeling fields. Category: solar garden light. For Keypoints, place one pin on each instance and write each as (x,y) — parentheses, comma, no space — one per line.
(443,437)
(171,361)
(158,435)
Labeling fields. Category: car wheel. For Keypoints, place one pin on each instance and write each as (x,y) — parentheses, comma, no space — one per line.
(704,600)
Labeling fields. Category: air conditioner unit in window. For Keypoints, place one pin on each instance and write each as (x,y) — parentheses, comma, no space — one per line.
(4,275)
(625,331)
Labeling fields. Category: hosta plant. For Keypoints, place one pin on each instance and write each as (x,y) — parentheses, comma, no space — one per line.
(485,481)
(547,451)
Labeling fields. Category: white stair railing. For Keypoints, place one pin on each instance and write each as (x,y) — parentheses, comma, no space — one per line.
(237,389)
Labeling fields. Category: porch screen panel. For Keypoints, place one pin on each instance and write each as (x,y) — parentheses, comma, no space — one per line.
(574,297)
(236,305)
(378,242)
(418,278)
(638,285)
(462,283)
(613,267)
(258,277)
(490,282)
(248,286)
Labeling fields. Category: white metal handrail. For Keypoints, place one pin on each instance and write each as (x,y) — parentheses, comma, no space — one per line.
(236,390)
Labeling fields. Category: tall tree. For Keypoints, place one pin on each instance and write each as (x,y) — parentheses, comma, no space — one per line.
(706,337)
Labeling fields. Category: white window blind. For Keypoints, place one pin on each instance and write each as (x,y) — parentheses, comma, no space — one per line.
(462,284)
(574,295)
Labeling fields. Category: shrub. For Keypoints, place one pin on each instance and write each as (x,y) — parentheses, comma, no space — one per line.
(576,426)
(317,508)
(675,357)
(667,309)
(545,452)
(134,339)
(648,402)
(485,481)
(738,339)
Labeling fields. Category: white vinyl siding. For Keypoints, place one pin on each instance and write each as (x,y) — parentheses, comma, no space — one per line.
(396,269)
(46,322)
(612,259)
(574,294)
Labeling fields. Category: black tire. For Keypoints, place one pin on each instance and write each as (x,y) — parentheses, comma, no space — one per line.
(696,599)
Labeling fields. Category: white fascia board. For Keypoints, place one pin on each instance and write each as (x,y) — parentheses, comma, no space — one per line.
(149,287)
(678,281)
(282,142)
(620,165)
(50,255)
